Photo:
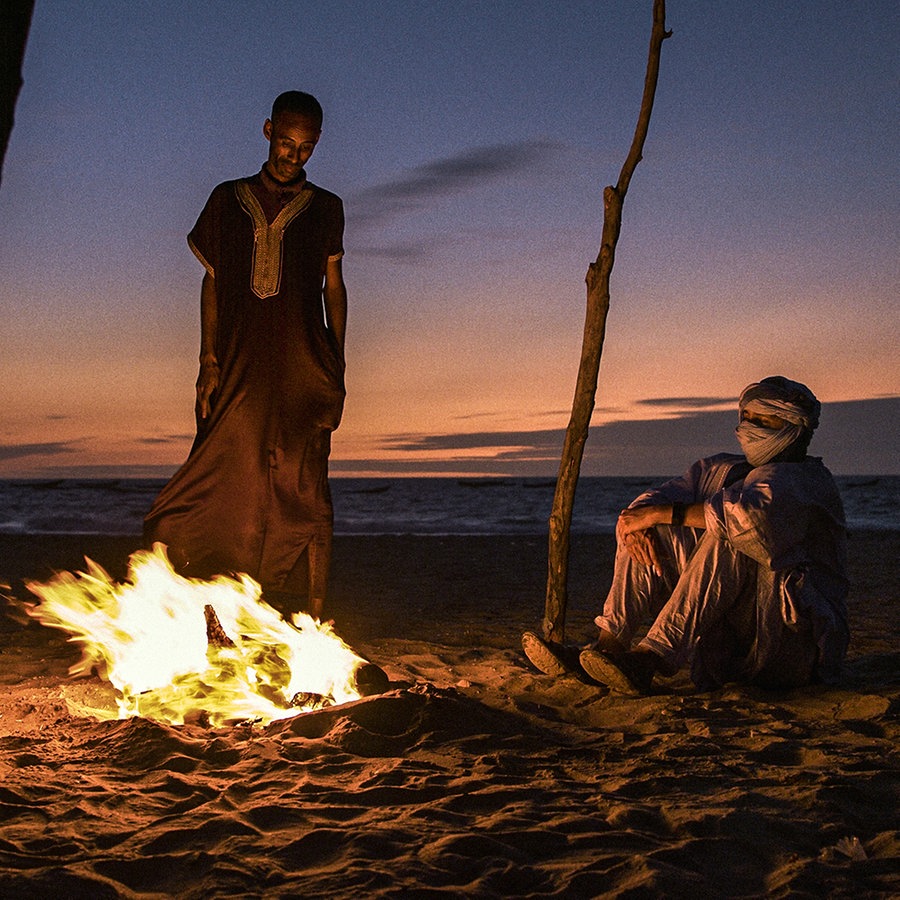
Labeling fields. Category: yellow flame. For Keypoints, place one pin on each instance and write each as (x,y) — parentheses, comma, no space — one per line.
(149,638)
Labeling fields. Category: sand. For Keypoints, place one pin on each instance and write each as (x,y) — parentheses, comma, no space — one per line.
(473,776)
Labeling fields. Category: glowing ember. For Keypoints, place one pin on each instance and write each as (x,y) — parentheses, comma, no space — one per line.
(176,648)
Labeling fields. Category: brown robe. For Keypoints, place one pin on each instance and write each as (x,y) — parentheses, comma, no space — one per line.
(253,493)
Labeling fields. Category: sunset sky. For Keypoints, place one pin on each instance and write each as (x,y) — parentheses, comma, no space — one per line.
(471,142)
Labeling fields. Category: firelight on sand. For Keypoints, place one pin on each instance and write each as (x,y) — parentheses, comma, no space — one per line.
(178,649)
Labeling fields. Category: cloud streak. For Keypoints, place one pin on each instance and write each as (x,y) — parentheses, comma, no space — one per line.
(850,431)
(41,450)
(419,187)
(686,402)
(165,440)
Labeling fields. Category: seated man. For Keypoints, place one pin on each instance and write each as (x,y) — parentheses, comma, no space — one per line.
(739,565)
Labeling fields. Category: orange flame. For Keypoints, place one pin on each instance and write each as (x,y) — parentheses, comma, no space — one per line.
(179,649)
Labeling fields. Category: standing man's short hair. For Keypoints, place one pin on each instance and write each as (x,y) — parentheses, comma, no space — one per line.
(299,103)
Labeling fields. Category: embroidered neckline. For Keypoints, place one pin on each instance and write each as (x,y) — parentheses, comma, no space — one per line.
(265,276)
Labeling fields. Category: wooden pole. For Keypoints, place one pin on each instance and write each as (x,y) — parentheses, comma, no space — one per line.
(15,20)
(591,349)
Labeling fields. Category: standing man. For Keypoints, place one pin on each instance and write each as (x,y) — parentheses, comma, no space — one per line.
(253,495)
(738,566)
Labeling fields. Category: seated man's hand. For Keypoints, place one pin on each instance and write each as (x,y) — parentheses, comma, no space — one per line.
(640,518)
(642,548)
(634,530)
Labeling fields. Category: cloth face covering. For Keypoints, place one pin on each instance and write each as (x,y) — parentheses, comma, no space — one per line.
(762,444)
(792,402)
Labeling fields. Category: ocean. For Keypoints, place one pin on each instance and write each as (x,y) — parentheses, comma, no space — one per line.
(414,506)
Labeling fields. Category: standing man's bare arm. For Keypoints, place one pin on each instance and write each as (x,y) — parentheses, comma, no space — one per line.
(335,295)
(208,379)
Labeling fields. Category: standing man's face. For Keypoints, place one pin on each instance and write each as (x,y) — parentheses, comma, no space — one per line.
(292,139)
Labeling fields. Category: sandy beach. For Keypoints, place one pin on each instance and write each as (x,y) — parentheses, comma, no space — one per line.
(473,775)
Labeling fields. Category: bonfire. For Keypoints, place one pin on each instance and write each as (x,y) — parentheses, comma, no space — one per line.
(182,650)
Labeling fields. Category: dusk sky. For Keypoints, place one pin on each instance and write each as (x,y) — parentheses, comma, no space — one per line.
(471,142)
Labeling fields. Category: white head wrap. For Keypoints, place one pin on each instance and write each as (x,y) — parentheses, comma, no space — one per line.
(777,396)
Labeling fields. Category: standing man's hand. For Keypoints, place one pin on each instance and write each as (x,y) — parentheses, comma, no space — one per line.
(207,383)
(208,379)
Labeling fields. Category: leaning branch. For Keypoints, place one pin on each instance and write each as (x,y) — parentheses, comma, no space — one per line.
(592,347)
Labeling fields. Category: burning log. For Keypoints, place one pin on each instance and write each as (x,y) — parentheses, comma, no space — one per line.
(215,633)
(371,679)
(308,701)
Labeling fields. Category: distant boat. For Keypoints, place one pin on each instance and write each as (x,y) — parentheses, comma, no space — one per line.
(858,484)
(374,489)
(46,485)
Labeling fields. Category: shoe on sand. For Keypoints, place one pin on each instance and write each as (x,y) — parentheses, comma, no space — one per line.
(550,658)
(624,674)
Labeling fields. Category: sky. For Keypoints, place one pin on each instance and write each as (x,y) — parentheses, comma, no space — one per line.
(470,142)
